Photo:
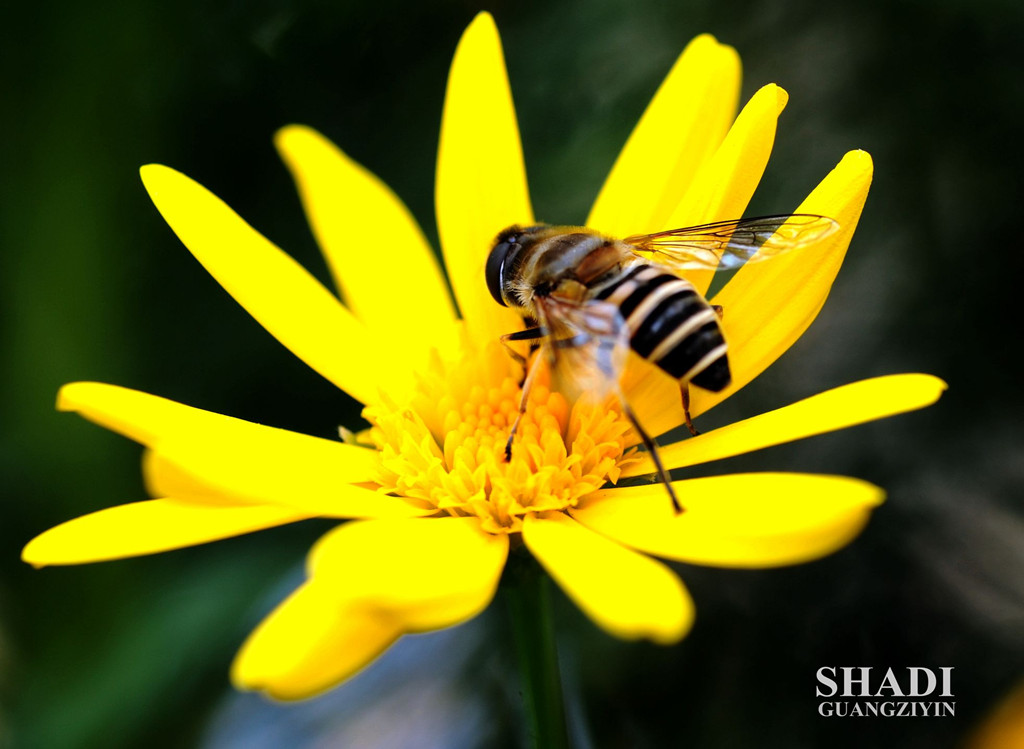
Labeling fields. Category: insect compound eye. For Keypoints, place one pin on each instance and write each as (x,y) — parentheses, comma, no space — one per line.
(494,272)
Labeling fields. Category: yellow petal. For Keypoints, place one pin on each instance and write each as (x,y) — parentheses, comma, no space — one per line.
(625,593)
(149,527)
(481,179)
(248,454)
(768,305)
(218,473)
(309,643)
(425,572)
(724,185)
(834,409)
(377,253)
(283,297)
(139,416)
(370,582)
(158,422)
(740,520)
(206,457)
(679,131)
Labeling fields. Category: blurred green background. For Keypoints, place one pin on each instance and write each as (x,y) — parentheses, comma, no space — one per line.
(95,286)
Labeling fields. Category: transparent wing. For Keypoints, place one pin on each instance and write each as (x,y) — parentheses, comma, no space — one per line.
(726,245)
(588,343)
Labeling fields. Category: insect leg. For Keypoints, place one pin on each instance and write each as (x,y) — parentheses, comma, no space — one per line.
(719,310)
(531,375)
(533,334)
(652,449)
(530,334)
(684,391)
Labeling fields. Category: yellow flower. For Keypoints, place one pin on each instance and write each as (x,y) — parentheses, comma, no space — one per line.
(437,506)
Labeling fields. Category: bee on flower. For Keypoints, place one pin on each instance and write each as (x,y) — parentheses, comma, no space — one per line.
(433,499)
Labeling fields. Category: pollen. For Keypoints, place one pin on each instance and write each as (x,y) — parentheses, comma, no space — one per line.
(446,445)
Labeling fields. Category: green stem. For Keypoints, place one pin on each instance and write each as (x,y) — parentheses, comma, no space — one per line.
(529,606)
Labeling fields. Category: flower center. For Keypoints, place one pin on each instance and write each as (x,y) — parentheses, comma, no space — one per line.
(447,446)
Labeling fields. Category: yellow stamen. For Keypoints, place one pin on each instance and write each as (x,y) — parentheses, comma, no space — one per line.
(447,446)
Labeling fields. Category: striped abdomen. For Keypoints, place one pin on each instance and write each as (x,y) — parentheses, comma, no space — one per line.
(670,325)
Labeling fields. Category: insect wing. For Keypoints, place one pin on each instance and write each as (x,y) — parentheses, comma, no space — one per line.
(726,245)
(588,343)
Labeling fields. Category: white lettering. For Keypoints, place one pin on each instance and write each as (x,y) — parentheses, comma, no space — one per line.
(826,681)
(889,682)
(930,679)
(947,672)
(849,681)
(856,681)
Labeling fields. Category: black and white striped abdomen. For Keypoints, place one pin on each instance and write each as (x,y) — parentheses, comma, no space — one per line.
(671,325)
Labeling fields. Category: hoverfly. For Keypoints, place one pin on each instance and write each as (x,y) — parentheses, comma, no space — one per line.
(592,299)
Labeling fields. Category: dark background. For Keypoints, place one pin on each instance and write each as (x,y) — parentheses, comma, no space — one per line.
(95,286)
